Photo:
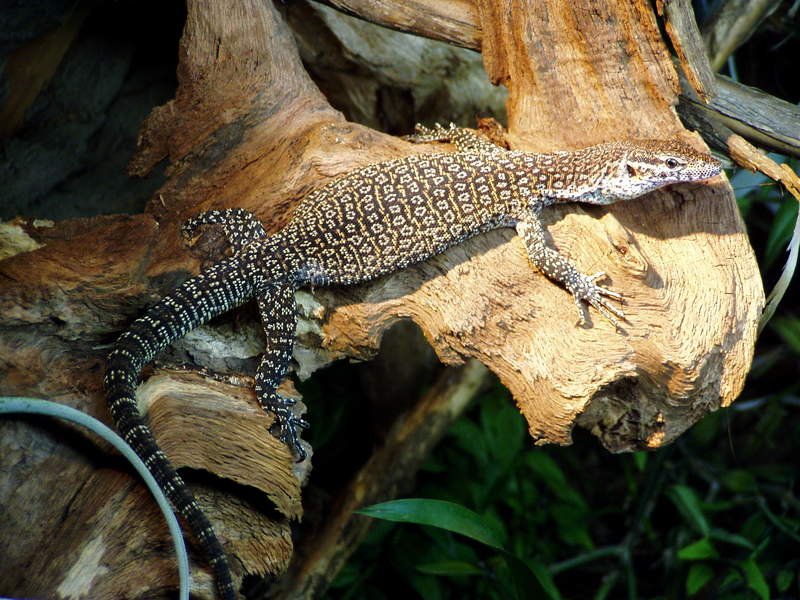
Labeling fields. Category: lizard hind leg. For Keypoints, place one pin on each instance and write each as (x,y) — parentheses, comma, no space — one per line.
(279,316)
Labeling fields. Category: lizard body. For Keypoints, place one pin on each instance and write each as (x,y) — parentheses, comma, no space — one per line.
(368,223)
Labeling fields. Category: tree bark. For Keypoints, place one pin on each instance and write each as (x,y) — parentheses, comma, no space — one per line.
(248,128)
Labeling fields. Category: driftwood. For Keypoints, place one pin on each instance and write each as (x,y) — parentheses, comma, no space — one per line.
(248,128)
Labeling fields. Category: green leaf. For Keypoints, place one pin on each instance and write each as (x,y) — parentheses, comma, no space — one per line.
(547,469)
(551,473)
(739,480)
(607,585)
(426,586)
(433,464)
(789,330)
(437,513)
(699,550)
(731,538)
(705,431)
(699,575)
(688,504)
(531,579)
(755,579)
(762,545)
(781,230)
(745,203)
(778,473)
(640,459)
(449,567)
(571,522)
(469,437)
(784,580)
(496,524)
(755,527)
(504,429)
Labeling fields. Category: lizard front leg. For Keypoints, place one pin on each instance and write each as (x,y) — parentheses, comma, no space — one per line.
(465,140)
(558,268)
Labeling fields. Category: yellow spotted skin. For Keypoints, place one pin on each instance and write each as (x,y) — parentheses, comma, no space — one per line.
(370,222)
(385,217)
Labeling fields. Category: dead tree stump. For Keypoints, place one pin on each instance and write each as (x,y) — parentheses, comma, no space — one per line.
(248,128)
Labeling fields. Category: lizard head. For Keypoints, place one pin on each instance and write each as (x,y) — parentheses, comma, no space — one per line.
(645,165)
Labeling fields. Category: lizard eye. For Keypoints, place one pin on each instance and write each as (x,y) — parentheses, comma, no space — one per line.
(672,163)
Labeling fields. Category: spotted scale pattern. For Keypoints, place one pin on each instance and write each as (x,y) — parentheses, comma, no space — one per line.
(374,221)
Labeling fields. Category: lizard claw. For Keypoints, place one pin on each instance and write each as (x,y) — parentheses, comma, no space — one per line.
(587,290)
(286,426)
(294,439)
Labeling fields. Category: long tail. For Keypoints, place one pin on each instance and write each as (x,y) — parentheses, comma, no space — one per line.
(216,290)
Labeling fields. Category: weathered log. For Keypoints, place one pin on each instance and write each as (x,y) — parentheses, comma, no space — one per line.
(248,128)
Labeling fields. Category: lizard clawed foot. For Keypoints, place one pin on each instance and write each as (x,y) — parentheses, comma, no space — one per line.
(586,290)
(286,425)
(437,133)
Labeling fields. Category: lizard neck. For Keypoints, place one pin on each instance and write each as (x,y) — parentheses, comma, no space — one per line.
(561,176)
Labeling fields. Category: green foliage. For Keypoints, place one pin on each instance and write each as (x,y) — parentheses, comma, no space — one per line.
(699,519)
(438,513)
(781,231)
(524,578)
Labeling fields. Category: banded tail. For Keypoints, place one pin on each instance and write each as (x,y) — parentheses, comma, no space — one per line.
(216,290)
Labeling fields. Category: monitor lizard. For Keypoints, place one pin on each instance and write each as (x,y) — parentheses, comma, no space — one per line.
(370,222)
